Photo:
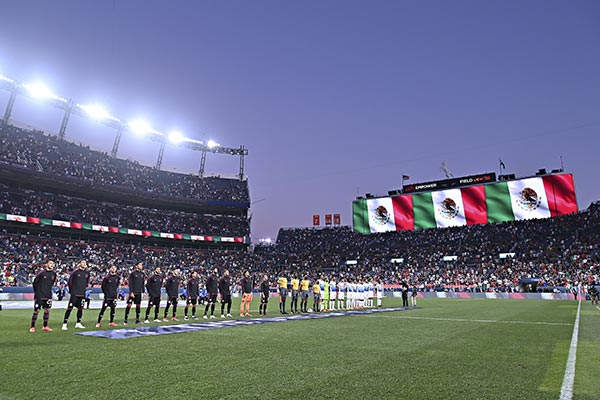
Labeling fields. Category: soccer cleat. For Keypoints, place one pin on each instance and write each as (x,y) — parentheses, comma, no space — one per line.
(222,316)
(242,315)
(97,324)
(64,327)
(137,321)
(79,326)
(212,317)
(229,316)
(174,319)
(248,314)
(112,324)
(32,329)
(146,321)
(185,318)
(165,319)
(194,317)
(47,329)
(157,320)
(204,317)
(125,323)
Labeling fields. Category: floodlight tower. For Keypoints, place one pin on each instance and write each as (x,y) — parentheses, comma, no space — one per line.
(12,87)
(65,121)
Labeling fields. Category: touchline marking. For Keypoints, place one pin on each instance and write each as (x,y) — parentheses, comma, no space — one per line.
(566,391)
(484,321)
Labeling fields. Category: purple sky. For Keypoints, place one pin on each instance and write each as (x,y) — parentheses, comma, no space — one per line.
(332,98)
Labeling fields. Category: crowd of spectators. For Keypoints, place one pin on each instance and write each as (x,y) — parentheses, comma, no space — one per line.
(46,205)
(560,252)
(45,153)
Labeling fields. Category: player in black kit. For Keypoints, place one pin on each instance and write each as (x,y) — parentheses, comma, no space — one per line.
(172,286)
(42,289)
(153,286)
(136,287)
(193,291)
(264,295)
(78,283)
(110,287)
(225,291)
(212,290)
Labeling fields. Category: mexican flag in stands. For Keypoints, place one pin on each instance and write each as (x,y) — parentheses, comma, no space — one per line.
(538,197)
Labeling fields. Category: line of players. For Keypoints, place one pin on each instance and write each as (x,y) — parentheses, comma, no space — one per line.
(327,294)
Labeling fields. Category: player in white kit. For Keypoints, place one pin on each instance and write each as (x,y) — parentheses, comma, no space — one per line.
(333,291)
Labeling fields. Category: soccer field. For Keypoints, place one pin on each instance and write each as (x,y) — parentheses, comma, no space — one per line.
(446,349)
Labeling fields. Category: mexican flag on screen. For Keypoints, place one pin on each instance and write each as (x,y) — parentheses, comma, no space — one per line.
(531,198)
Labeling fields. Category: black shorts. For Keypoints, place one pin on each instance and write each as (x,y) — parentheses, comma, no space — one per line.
(264,298)
(173,300)
(226,299)
(46,304)
(192,300)
(212,298)
(137,300)
(283,292)
(154,301)
(305,295)
(295,294)
(76,302)
(112,303)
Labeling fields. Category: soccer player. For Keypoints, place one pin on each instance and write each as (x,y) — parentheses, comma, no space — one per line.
(379,293)
(325,294)
(304,285)
(283,292)
(172,288)
(316,296)
(295,294)
(225,291)
(246,284)
(153,286)
(193,291)
(212,287)
(264,295)
(341,294)
(333,287)
(136,287)
(78,282)
(110,287)
(42,293)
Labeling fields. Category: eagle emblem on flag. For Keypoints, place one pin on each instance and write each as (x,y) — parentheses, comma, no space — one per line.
(528,199)
(381,215)
(448,208)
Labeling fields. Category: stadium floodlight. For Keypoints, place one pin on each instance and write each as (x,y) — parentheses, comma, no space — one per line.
(97,112)
(140,127)
(176,137)
(41,91)
(212,144)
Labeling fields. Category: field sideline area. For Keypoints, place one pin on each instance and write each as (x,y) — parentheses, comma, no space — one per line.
(454,349)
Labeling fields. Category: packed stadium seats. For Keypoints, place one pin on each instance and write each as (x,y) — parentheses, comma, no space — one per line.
(561,252)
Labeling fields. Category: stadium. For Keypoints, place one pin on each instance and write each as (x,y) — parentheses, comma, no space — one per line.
(122,277)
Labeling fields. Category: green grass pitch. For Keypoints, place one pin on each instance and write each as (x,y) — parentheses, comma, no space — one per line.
(445,349)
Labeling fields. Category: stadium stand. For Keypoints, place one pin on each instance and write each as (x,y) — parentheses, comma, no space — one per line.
(560,253)
(45,154)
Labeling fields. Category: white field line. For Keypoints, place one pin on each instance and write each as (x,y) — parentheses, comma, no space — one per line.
(566,391)
(484,321)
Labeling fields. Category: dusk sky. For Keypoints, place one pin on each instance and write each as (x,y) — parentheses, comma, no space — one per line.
(333,99)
